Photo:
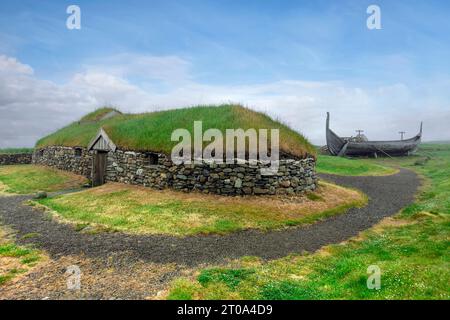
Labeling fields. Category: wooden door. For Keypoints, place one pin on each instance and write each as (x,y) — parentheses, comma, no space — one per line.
(98,177)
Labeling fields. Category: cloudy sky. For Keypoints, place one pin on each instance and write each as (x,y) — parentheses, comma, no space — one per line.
(292,59)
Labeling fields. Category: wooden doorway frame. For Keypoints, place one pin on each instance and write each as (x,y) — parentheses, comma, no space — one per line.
(101,145)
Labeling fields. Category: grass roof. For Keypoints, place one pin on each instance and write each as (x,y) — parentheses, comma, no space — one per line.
(152,131)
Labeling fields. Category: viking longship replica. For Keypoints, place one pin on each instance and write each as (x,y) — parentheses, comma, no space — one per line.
(361,146)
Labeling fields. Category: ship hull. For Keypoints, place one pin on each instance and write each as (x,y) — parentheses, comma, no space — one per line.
(339,146)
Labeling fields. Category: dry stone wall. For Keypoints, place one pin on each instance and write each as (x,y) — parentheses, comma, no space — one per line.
(15,158)
(158,171)
(76,160)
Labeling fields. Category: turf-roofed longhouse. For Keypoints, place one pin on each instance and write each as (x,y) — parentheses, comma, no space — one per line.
(107,145)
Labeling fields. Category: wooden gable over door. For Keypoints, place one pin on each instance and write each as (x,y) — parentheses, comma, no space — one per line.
(102,142)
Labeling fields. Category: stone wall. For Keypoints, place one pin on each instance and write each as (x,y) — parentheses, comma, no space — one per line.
(293,176)
(76,160)
(15,158)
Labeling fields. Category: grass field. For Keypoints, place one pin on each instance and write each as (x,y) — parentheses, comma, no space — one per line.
(412,251)
(142,210)
(152,131)
(16,150)
(351,167)
(25,179)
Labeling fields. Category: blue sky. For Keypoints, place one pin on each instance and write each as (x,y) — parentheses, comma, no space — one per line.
(292,59)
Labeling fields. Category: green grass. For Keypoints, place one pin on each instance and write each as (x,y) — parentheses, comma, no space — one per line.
(351,167)
(16,150)
(25,179)
(411,250)
(432,163)
(141,210)
(230,277)
(152,131)
(20,259)
(12,250)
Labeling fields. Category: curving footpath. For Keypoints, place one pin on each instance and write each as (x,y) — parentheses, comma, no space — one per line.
(387,195)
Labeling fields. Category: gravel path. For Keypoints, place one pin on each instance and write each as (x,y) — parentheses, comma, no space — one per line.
(388,194)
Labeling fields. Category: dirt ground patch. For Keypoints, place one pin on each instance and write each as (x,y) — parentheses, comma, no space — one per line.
(117,277)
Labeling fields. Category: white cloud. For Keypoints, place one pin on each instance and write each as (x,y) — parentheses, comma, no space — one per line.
(10,65)
(107,89)
(170,69)
(31,107)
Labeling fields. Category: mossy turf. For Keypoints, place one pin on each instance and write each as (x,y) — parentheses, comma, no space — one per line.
(152,131)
